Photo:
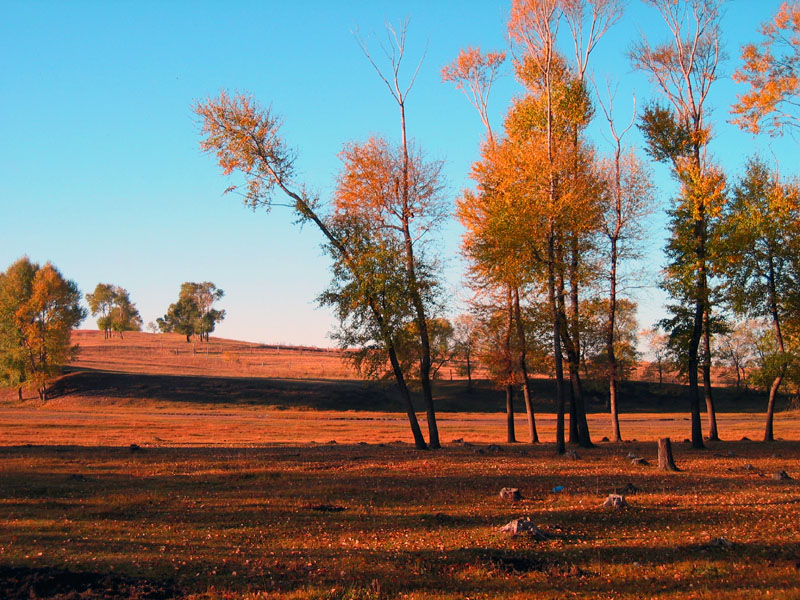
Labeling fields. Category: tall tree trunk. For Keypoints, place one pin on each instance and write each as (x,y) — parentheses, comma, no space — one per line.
(469,371)
(571,338)
(561,447)
(573,436)
(405,394)
(511,437)
(776,383)
(710,410)
(523,367)
(19,393)
(697,332)
(612,320)
(416,297)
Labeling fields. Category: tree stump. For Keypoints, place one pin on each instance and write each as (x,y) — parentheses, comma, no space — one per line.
(511,494)
(616,501)
(665,460)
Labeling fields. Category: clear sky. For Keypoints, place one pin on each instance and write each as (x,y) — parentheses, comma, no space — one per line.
(100,167)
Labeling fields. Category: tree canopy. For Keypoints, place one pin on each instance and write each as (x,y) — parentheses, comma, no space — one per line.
(38,310)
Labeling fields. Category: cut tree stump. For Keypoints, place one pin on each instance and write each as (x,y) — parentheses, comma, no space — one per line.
(511,494)
(616,501)
(525,526)
(665,460)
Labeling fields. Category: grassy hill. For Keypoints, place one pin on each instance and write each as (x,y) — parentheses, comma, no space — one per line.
(146,368)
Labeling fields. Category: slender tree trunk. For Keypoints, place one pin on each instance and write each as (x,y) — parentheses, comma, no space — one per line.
(697,332)
(561,447)
(511,435)
(579,428)
(469,372)
(416,298)
(776,383)
(19,393)
(710,410)
(419,440)
(573,416)
(612,319)
(523,367)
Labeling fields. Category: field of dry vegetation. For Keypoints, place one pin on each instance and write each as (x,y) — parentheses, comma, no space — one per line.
(165,471)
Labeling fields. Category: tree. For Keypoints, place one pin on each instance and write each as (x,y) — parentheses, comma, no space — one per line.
(772,71)
(657,346)
(403,201)
(182,317)
(101,303)
(761,268)
(124,315)
(38,310)
(465,339)
(737,349)
(474,73)
(204,294)
(684,69)
(629,199)
(246,139)
(115,309)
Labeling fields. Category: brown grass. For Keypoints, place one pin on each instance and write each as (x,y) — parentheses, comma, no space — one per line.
(230,497)
(260,522)
(140,352)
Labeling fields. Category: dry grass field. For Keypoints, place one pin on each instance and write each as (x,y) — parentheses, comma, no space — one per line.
(304,485)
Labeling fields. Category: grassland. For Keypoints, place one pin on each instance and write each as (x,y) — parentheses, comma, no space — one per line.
(241,486)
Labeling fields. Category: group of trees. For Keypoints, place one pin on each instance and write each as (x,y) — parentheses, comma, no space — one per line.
(194,312)
(114,310)
(548,226)
(552,218)
(39,308)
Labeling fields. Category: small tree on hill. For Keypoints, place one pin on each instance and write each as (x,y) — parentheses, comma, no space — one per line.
(182,317)
(114,309)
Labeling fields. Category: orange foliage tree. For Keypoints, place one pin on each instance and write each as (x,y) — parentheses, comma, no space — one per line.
(771,70)
(683,70)
(246,139)
(38,309)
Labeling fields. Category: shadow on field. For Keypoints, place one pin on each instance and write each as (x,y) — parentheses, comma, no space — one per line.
(330,394)
(169,521)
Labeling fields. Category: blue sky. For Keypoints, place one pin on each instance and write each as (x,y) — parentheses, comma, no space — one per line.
(100,167)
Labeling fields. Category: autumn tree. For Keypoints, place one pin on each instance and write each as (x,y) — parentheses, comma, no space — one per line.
(204,294)
(760,265)
(38,310)
(683,69)
(403,200)
(114,309)
(465,343)
(474,73)
(124,315)
(246,140)
(182,317)
(628,200)
(193,313)
(771,69)
(737,349)
(656,342)
(101,303)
